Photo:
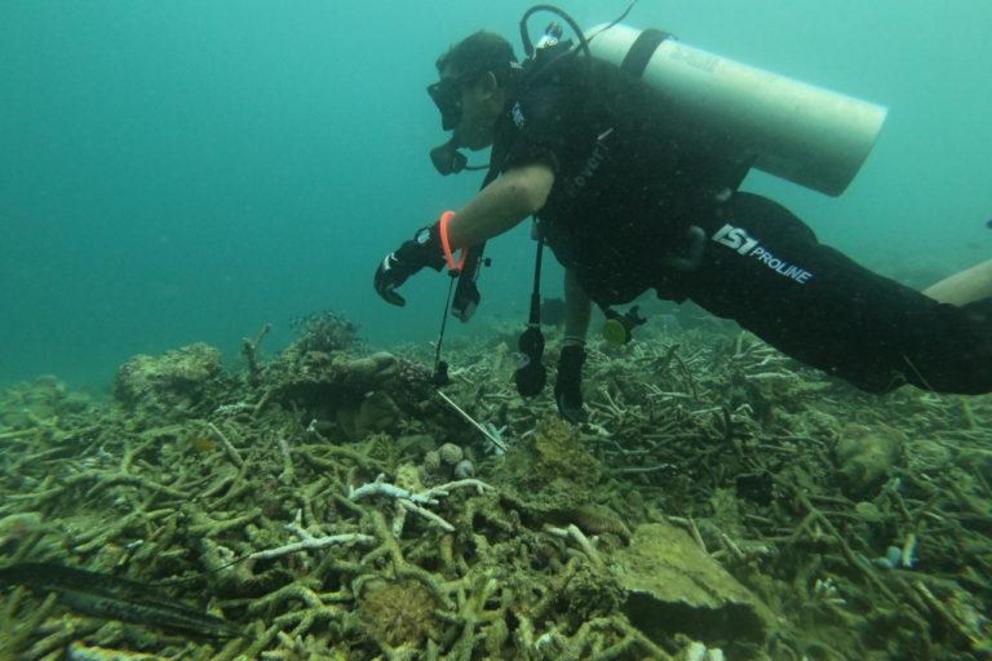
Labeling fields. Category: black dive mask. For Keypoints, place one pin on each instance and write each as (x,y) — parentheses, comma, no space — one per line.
(447,96)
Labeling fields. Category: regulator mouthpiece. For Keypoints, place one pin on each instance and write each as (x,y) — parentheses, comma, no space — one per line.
(447,159)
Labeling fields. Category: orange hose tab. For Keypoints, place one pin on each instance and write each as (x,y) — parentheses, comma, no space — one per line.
(449,256)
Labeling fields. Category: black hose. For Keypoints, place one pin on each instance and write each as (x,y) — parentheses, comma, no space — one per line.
(525,36)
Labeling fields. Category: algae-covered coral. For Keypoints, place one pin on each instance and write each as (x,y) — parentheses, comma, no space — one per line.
(327,504)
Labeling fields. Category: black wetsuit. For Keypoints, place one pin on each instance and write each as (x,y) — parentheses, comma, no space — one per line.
(627,191)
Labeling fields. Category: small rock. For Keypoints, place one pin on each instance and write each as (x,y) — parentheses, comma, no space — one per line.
(451,454)
(865,457)
(432,462)
(868,512)
(696,651)
(464,469)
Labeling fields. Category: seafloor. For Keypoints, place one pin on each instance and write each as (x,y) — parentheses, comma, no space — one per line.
(327,503)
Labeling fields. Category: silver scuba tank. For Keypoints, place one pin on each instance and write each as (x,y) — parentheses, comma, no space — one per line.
(806,134)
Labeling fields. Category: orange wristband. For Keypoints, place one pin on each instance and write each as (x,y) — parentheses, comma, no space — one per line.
(449,257)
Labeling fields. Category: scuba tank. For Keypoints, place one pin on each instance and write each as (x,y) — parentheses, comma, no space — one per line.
(805,134)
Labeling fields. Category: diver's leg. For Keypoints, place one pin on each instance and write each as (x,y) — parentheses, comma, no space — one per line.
(972,284)
(765,269)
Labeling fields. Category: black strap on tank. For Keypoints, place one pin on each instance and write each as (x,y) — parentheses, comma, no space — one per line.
(637,58)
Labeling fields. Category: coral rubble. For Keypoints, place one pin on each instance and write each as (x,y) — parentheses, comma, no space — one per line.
(721,500)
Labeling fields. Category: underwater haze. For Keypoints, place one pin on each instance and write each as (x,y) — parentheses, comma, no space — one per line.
(184,171)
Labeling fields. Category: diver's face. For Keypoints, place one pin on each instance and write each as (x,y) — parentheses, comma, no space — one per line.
(481,104)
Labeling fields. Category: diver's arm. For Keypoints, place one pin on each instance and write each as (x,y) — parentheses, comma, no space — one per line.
(577,310)
(515,195)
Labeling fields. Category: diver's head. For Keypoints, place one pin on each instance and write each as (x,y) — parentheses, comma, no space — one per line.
(472,90)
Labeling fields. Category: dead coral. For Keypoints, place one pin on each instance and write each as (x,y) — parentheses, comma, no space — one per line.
(175,385)
(552,461)
(399,612)
(244,504)
(324,332)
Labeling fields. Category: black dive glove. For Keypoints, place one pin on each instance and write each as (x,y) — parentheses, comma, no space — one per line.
(568,385)
(424,249)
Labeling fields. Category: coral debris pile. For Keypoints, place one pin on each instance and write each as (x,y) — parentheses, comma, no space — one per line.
(329,504)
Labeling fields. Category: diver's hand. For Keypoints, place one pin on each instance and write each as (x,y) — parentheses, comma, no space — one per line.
(424,249)
(568,384)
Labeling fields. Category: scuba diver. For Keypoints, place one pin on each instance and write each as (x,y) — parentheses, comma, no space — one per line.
(630,201)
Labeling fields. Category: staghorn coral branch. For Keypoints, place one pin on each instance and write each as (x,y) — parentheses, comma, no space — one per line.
(409,501)
(232,452)
(309,542)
